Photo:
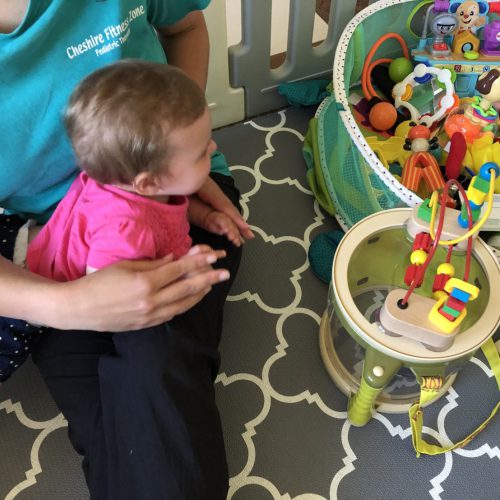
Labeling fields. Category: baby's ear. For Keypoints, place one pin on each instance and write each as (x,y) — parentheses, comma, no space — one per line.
(145,184)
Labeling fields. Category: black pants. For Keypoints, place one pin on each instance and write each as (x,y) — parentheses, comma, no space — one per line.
(140,405)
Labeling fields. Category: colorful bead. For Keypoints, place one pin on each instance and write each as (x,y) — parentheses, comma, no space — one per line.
(425,211)
(450,311)
(446,315)
(446,268)
(423,241)
(440,281)
(479,183)
(455,304)
(460,295)
(475,195)
(485,170)
(455,283)
(418,257)
(438,294)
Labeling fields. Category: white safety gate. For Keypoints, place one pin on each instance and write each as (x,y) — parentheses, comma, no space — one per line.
(241,82)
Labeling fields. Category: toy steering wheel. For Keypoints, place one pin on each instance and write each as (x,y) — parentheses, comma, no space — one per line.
(403,92)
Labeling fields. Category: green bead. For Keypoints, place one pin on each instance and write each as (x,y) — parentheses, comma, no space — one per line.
(480,184)
(450,311)
(399,69)
(424,211)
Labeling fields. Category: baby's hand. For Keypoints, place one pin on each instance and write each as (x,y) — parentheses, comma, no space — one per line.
(219,223)
(213,196)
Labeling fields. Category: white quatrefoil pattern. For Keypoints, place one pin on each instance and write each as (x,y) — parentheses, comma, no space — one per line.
(284,419)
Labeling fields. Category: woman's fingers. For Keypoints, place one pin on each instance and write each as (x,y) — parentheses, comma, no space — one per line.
(131,295)
(198,263)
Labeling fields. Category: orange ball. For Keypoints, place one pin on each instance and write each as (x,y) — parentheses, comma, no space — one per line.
(460,123)
(383,116)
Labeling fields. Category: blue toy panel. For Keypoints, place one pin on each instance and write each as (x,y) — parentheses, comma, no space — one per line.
(467,72)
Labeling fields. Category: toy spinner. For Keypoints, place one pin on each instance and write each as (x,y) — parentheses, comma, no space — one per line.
(435,320)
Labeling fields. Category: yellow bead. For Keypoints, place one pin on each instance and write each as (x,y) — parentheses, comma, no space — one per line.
(446,268)
(418,257)
(477,197)
(438,294)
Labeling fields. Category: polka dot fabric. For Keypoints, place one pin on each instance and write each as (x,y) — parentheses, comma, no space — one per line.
(15,341)
(15,335)
(9,227)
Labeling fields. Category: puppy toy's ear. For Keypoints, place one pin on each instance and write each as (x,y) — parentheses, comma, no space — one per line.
(483,7)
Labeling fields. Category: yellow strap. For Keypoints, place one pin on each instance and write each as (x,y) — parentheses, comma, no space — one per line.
(491,353)
(421,446)
(429,391)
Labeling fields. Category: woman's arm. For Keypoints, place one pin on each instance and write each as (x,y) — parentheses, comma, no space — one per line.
(126,296)
(186,46)
(22,293)
(12,13)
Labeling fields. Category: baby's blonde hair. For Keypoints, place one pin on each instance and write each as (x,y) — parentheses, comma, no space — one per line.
(118,118)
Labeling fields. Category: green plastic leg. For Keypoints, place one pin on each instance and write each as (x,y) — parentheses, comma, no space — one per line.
(378,370)
(359,410)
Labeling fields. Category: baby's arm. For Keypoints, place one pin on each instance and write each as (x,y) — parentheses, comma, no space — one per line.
(118,240)
(212,195)
(204,216)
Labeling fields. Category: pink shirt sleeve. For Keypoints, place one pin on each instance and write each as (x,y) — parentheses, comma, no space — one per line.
(121,240)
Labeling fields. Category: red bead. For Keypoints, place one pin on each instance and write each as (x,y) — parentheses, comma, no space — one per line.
(410,275)
(422,241)
(439,281)
(456,304)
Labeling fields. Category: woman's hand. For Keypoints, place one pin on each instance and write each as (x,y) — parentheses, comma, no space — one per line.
(132,295)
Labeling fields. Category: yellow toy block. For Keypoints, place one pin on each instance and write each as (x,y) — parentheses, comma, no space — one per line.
(463,286)
(481,151)
(438,320)
(389,150)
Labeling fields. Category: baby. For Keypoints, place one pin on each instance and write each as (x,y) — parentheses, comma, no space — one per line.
(142,135)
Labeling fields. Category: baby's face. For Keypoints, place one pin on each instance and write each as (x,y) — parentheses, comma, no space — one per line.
(189,165)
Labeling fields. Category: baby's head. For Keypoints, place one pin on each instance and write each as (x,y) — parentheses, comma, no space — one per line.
(143,126)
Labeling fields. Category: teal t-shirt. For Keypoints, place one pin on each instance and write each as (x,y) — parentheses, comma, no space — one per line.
(58,43)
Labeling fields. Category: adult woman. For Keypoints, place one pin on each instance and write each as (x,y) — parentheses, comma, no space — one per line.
(140,404)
